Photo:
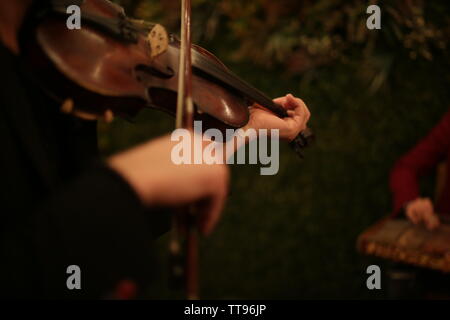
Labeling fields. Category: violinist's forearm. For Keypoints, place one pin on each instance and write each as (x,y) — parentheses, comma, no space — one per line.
(227,149)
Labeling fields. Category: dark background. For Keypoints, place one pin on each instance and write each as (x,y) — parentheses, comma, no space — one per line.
(372,95)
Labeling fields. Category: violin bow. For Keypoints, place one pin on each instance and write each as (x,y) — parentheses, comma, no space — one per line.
(184,265)
(185,220)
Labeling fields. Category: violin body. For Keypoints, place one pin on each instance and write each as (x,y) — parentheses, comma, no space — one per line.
(115,65)
(102,73)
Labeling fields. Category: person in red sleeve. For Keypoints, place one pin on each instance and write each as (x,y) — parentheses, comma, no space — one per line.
(421,160)
(405,281)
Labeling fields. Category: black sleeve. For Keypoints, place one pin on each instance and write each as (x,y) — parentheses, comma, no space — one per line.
(94,221)
(97,223)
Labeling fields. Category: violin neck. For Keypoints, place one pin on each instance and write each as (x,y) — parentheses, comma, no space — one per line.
(207,68)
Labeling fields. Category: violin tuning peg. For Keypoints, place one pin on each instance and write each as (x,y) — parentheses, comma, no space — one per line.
(67,106)
(108,116)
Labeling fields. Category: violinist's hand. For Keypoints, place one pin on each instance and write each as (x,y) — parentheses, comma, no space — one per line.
(159,182)
(290,127)
(421,210)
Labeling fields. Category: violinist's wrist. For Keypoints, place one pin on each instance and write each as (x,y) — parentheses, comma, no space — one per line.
(127,165)
(248,126)
(245,135)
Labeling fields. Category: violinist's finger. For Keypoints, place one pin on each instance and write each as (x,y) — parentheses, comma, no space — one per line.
(292,102)
(308,113)
(203,209)
(299,103)
(211,213)
(303,110)
(295,116)
(296,104)
(284,102)
(280,100)
(301,113)
(291,113)
(288,102)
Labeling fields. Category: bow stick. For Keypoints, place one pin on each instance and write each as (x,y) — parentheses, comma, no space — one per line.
(185,220)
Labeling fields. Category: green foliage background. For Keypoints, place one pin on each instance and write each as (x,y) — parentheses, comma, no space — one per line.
(372,95)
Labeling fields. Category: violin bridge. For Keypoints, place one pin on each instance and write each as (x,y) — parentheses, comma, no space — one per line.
(158,40)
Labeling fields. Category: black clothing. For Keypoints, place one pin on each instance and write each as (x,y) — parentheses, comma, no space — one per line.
(57,208)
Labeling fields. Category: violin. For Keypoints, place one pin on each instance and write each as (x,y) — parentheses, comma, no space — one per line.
(115,65)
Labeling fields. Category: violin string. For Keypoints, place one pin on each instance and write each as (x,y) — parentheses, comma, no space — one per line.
(238,84)
(201,63)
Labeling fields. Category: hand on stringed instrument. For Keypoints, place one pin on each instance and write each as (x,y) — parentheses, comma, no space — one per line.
(421,211)
(290,127)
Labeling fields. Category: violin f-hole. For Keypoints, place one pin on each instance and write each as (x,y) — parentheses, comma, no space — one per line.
(152,71)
